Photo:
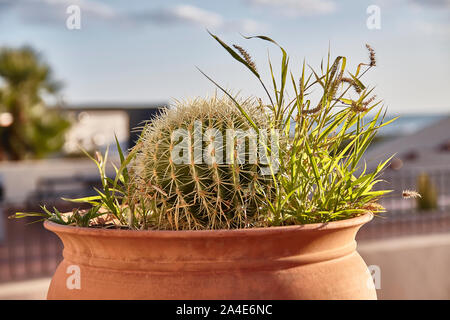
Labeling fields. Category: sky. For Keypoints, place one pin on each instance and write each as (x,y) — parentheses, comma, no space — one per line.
(147,51)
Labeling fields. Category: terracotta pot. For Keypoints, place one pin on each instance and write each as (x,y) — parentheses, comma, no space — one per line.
(316,261)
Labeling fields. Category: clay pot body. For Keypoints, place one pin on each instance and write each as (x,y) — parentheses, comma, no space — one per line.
(316,261)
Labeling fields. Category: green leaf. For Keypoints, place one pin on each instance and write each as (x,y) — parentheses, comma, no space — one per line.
(234,54)
(92,199)
(124,171)
(357,82)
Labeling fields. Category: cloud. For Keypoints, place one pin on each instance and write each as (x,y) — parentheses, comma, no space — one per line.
(54,11)
(47,12)
(438,4)
(191,15)
(297,7)
(183,14)
(432,28)
(437,27)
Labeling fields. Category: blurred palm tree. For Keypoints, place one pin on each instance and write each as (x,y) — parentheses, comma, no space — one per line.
(31,130)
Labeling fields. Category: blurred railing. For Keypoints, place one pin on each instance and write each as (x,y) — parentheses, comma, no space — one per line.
(408,180)
(397,224)
(403,216)
(27,250)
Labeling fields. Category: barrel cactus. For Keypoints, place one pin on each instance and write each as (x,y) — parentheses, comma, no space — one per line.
(195,167)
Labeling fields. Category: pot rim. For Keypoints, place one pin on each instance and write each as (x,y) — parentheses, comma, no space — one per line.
(100,232)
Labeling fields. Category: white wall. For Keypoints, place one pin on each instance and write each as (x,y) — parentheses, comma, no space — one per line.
(413,267)
(20,179)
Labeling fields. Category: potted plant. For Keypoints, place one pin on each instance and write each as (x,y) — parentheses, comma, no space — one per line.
(230,198)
